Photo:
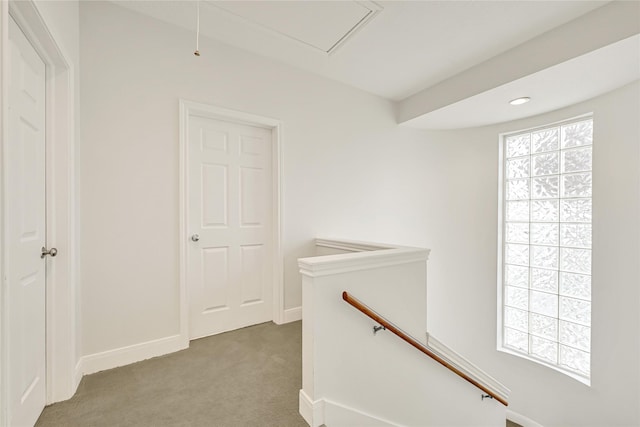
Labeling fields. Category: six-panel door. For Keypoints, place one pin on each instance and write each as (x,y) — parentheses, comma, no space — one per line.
(25,232)
(230,210)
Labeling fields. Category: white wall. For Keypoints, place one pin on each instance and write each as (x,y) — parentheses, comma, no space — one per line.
(378,375)
(463,267)
(350,172)
(348,169)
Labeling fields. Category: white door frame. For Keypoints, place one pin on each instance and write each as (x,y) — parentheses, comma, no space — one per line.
(61,308)
(187,109)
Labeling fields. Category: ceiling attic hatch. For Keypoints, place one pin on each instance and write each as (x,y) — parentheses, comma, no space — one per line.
(319,25)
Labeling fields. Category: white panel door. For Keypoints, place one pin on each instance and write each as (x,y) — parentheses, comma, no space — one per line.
(229,270)
(25,232)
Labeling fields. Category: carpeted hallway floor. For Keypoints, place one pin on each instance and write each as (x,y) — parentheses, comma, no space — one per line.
(248,377)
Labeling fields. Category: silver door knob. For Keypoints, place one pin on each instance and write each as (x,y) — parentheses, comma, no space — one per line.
(195,237)
(53,252)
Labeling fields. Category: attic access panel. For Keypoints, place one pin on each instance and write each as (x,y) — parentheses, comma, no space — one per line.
(321,25)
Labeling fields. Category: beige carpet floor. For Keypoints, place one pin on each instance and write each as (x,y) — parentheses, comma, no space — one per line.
(248,377)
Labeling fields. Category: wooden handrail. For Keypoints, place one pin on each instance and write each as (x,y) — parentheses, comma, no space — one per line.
(413,342)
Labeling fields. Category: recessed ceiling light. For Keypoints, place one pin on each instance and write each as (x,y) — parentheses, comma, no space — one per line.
(520,101)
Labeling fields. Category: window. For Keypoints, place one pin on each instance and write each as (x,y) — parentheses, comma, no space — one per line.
(545,248)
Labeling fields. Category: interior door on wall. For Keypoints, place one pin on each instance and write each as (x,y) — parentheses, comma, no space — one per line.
(229,255)
(25,232)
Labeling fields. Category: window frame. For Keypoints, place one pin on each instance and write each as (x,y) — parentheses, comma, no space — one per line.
(501,248)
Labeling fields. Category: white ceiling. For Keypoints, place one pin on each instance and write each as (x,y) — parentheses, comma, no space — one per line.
(393,49)
(304,22)
(561,85)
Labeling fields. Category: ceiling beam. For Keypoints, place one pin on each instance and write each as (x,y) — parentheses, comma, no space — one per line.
(606,25)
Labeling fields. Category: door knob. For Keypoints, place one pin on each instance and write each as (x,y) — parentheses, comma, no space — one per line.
(53,252)
(195,237)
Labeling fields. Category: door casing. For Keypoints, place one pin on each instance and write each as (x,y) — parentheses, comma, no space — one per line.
(63,374)
(187,109)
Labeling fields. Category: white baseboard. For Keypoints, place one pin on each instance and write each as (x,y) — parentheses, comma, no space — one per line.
(333,414)
(293,314)
(465,366)
(337,415)
(521,419)
(312,412)
(77,375)
(126,355)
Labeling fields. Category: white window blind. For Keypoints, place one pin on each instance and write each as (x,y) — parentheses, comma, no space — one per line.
(546,245)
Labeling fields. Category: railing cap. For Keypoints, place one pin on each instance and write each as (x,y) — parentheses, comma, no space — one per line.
(364,256)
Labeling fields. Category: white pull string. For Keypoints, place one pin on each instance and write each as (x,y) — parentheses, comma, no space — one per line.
(197,52)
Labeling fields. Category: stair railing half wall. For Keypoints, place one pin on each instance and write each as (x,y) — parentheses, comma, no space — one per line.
(387,325)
